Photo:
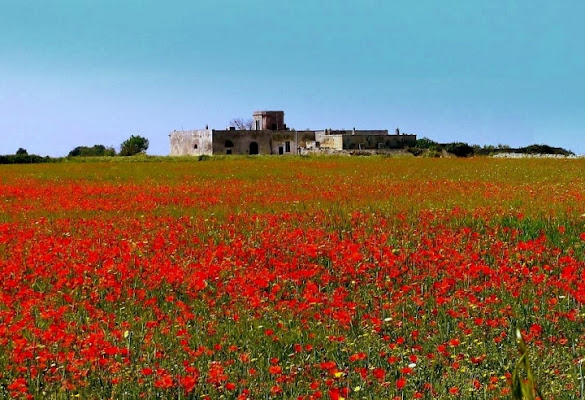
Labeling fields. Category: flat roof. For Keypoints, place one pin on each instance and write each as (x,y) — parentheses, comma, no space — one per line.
(267,112)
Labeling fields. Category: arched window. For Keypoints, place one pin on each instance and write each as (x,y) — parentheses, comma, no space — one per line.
(229,143)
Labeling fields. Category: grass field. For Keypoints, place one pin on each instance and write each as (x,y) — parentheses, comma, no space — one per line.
(292,278)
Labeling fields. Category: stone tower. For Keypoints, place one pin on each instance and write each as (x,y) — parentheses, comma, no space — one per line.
(268,121)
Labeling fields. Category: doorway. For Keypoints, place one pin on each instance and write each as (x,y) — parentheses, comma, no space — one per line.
(253,148)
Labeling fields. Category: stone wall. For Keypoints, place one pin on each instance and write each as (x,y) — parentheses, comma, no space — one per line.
(191,143)
(304,137)
(329,141)
(245,142)
(259,142)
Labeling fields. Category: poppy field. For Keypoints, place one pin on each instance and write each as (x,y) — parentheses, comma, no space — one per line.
(291,278)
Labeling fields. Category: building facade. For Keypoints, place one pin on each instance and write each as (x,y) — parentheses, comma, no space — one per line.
(270,135)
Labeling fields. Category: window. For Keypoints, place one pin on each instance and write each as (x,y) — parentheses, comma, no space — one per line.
(257,125)
(287,147)
(228,151)
(195,146)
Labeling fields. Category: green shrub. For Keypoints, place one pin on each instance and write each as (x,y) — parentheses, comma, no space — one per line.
(544,149)
(416,151)
(459,149)
(134,145)
(426,143)
(432,153)
(97,150)
(26,159)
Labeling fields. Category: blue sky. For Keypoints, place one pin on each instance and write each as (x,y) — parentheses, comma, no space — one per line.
(84,72)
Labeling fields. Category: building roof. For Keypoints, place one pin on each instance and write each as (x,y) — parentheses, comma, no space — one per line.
(267,112)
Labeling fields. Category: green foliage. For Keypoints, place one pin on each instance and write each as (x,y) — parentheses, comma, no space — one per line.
(492,148)
(97,150)
(523,388)
(425,147)
(432,153)
(416,151)
(544,149)
(26,159)
(21,151)
(532,149)
(134,145)
(459,149)
(426,143)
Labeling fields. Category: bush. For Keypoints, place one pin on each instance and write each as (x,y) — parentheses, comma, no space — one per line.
(97,150)
(544,149)
(432,153)
(134,145)
(416,151)
(25,159)
(459,149)
(426,143)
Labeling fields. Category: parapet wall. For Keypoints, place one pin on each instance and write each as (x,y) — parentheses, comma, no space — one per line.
(381,132)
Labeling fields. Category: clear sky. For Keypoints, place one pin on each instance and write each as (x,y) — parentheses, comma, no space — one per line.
(85,72)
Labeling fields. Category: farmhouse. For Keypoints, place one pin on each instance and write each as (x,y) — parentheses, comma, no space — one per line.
(270,135)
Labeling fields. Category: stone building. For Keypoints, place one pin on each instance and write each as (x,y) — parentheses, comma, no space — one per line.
(268,121)
(270,135)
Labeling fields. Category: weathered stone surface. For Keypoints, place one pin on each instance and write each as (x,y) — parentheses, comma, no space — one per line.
(267,142)
(191,143)
(270,136)
(268,121)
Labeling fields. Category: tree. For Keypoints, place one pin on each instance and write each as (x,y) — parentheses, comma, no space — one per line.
(242,124)
(544,149)
(460,149)
(22,152)
(426,143)
(134,145)
(98,150)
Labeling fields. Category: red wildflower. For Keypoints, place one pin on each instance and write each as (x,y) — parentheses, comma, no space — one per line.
(379,373)
(275,369)
(400,383)
(164,381)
